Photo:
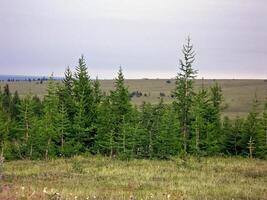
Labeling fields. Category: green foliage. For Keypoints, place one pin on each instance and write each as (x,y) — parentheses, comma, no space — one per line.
(75,117)
(183,93)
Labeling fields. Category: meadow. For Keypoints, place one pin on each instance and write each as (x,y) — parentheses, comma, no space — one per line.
(238,94)
(96,177)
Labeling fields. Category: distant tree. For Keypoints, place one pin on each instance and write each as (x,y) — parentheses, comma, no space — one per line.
(183,93)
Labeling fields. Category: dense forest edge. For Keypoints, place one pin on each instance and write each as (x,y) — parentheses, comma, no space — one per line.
(76,117)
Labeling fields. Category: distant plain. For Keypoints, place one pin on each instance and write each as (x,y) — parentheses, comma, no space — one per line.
(238,93)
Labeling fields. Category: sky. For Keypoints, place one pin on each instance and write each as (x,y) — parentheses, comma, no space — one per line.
(144,37)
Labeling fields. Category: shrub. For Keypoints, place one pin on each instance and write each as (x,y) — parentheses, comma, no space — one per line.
(162,94)
(168,81)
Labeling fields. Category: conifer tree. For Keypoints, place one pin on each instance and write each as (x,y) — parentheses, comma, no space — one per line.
(167,143)
(14,107)
(49,125)
(213,137)
(63,125)
(261,137)
(7,125)
(84,104)
(232,136)
(37,106)
(146,148)
(97,91)
(26,119)
(199,124)
(66,94)
(6,99)
(251,131)
(121,109)
(105,138)
(183,93)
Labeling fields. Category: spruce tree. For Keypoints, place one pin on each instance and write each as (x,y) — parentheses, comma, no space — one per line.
(213,137)
(121,109)
(27,127)
(84,104)
(183,93)
(199,120)
(167,143)
(63,126)
(252,131)
(261,137)
(50,118)
(66,94)
(105,138)
(14,107)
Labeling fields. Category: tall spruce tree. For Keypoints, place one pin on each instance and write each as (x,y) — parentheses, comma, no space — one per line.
(85,107)
(66,94)
(26,123)
(49,120)
(121,109)
(183,93)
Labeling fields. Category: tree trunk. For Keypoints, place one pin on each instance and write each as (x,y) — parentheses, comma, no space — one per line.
(47,148)
(185,137)
(124,136)
(197,139)
(26,123)
(31,152)
(62,143)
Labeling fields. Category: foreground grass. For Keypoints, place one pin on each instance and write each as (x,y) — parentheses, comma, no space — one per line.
(103,178)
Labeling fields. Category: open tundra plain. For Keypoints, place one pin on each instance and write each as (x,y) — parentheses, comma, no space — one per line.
(238,94)
(103,178)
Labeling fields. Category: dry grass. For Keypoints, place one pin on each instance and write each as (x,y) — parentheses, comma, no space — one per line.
(238,94)
(102,178)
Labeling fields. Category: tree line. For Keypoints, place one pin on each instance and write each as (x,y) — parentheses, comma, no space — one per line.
(76,117)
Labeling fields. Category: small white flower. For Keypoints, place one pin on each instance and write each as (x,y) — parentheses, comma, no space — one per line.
(45,190)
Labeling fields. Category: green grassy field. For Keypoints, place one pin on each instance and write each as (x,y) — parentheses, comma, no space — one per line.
(238,94)
(104,178)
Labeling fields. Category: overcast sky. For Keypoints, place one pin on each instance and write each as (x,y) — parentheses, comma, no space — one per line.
(38,37)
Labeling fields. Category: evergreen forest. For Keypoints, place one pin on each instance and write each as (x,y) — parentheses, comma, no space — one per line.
(76,117)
